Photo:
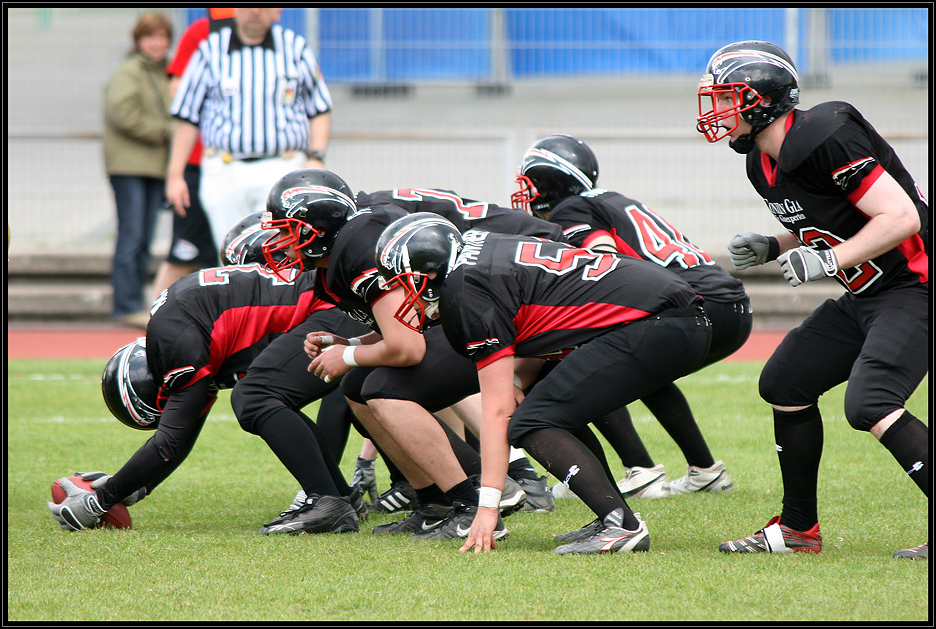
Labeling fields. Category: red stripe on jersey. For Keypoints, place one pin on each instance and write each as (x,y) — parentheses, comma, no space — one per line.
(533,319)
(506,351)
(866,184)
(917,260)
(625,248)
(770,168)
(239,328)
(323,274)
(590,238)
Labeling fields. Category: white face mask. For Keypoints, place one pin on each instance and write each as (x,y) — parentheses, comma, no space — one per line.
(432,309)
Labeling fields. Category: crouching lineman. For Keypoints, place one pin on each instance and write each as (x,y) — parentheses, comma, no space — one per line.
(205,330)
(622,327)
(396,377)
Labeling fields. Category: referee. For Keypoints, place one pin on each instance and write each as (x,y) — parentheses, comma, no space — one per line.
(254,92)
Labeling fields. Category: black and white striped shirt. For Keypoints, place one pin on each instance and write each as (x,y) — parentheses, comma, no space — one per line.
(252,101)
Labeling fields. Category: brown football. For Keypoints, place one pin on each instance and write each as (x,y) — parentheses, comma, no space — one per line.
(118,517)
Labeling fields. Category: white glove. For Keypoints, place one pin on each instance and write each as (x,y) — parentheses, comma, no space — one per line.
(804,264)
(80,510)
(751,249)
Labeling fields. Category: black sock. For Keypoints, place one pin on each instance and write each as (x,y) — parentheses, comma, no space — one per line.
(334,469)
(463,492)
(569,460)
(432,495)
(908,441)
(618,428)
(296,446)
(671,409)
(522,468)
(472,440)
(799,438)
(590,441)
(468,457)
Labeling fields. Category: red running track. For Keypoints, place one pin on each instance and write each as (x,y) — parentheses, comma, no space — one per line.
(102,340)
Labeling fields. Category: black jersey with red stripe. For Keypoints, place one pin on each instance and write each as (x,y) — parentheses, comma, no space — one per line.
(639,232)
(532,297)
(214,322)
(351,280)
(464,213)
(830,157)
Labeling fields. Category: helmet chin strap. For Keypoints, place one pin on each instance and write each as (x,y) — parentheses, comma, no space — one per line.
(745,143)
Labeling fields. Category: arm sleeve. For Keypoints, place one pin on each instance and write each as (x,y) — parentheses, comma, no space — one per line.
(193,87)
(182,419)
(320,100)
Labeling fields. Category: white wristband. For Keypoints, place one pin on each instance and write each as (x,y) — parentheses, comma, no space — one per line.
(354,341)
(348,356)
(489,497)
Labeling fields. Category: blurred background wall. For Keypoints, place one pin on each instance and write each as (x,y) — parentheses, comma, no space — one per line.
(451,98)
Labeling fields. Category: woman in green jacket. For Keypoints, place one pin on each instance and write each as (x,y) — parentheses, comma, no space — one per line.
(137,129)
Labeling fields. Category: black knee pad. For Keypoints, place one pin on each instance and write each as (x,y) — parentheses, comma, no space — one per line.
(862,412)
(352,383)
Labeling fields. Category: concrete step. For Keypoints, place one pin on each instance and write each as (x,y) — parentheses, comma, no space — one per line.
(57,300)
(76,286)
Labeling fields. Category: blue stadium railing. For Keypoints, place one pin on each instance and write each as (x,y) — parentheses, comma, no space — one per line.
(377,45)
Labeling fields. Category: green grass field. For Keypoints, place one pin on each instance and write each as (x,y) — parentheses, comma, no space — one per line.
(194,553)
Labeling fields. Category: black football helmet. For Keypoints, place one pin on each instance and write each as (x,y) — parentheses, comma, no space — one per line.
(554,168)
(417,252)
(243,243)
(308,207)
(130,391)
(753,80)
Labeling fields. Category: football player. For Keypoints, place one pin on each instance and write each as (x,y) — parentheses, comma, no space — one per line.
(620,328)
(467,214)
(206,330)
(852,212)
(398,375)
(558,180)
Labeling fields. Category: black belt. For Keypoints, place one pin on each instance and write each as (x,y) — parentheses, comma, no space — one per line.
(687,311)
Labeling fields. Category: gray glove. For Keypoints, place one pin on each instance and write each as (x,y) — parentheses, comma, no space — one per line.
(752,249)
(80,510)
(803,265)
(100,479)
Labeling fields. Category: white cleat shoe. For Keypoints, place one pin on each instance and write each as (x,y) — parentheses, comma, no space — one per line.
(712,479)
(645,482)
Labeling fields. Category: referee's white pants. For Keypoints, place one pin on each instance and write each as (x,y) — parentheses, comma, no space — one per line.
(230,191)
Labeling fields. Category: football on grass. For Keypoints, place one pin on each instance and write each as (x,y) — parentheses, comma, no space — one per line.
(117,518)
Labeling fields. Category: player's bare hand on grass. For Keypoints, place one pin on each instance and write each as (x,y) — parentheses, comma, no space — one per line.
(481,536)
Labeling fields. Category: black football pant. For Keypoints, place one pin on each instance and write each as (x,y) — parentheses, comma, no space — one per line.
(268,401)
(610,371)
